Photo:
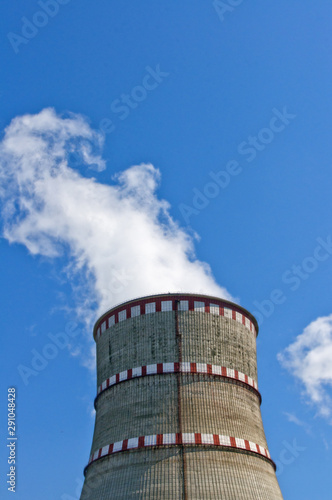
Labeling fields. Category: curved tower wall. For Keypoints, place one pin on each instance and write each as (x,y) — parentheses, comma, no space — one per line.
(177,406)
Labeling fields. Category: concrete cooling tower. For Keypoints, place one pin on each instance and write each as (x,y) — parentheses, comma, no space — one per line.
(177,406)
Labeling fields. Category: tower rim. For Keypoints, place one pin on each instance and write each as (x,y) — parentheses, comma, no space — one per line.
(176,296)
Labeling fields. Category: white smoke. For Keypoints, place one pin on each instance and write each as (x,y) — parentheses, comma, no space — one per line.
(120,238)
(309,359)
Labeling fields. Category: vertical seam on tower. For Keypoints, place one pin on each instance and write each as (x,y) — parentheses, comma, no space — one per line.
(178,381)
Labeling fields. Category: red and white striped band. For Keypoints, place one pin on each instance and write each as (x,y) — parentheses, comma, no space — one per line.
(179,439)
(184,367)
(172,303)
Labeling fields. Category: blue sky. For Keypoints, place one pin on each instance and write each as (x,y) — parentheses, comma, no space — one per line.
(168,128)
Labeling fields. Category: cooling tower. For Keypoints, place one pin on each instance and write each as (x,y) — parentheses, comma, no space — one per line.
(177,406)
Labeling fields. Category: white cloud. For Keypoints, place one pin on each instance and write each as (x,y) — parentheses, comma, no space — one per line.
(309,359)
(291,417)
(120,238)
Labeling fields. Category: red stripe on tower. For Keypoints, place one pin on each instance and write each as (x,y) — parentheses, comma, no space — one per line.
(178,438)
(216,440)
(233,442)
(141,441)
(198,438)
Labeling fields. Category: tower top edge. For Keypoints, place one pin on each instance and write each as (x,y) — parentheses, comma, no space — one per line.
(176,296)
